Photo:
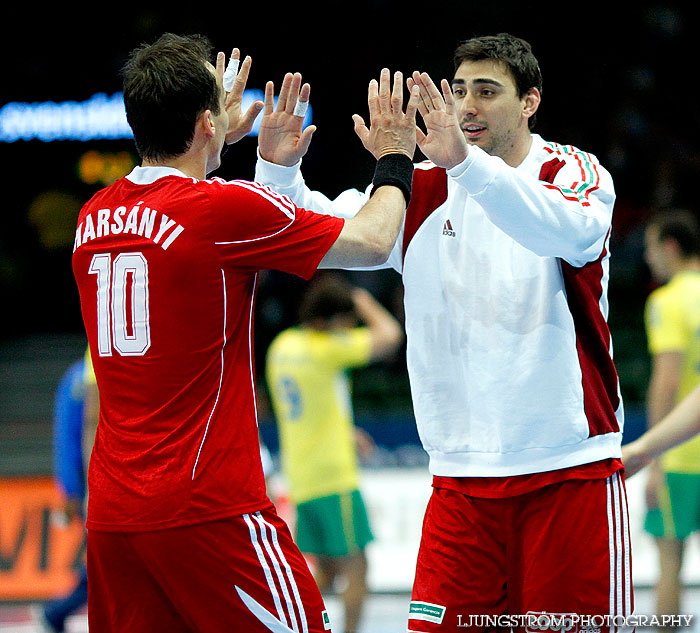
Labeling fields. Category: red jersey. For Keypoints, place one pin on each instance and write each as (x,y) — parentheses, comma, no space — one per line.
(166,267)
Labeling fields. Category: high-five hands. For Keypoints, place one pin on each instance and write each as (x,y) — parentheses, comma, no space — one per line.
(239,123)
(391,130)
(282,138)
(443,142)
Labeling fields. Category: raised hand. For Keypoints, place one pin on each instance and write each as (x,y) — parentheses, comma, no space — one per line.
(391,130)
(282,138)
(239,123)
(443,142)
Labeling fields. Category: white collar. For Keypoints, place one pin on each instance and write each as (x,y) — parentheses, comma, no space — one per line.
(148,175)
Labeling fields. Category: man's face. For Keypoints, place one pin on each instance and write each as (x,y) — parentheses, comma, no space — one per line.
(656,255)
(342,321)
(490,112)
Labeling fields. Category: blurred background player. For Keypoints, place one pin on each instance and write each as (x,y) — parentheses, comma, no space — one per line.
(310,391)
(74,414)
(672,320)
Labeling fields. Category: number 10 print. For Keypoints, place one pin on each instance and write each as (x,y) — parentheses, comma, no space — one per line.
(122,304)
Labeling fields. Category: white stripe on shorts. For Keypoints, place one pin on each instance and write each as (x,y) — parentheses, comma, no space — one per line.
(290,576)
(619,544)
(278,568)
(266,568)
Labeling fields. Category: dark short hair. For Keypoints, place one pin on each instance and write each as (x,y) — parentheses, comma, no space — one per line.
(167,85)
(681,226)
(512,51)
(327,296)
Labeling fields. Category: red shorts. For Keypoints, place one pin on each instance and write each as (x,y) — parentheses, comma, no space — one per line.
(563,549)
(239,574)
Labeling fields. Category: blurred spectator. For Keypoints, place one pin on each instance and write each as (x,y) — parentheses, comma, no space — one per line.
(672,323)
(319,443)
(74,411)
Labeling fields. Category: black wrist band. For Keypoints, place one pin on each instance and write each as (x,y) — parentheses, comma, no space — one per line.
(395,170)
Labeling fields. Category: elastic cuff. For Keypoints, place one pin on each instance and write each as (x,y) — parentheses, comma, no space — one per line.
(395,170)
(281,175)
(476,171)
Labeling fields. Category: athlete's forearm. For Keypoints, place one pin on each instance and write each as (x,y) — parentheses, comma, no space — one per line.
(681,424)
(367,239)
(289,181)
(666,368)
(550,220)
(385,329)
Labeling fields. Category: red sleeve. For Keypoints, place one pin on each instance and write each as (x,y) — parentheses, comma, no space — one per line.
(259,229)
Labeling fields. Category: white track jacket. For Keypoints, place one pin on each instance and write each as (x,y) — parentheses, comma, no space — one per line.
(505,273)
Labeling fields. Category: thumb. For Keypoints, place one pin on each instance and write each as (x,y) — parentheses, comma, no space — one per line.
(305,139)
(360,128)
(251,114)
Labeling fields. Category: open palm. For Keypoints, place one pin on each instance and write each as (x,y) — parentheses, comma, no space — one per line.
(239,123)
(282,138)
(391,130)
(443,142)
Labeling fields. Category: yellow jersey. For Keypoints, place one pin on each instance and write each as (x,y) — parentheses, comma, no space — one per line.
(672,320)
(89,371)
(309,388)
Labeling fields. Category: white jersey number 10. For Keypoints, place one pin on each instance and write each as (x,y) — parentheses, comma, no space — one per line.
(122,303)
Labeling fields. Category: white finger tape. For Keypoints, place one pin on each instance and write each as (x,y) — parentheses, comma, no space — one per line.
(230,73)
(300,108)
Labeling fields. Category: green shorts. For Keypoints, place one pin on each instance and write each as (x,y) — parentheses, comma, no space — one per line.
(336,525)
(678,514)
